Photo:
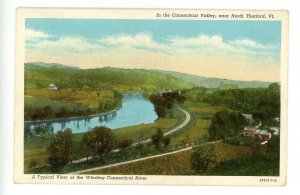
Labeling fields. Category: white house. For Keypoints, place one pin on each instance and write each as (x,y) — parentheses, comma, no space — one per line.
(53,87)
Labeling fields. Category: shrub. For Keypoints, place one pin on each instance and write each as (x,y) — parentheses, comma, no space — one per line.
(124,144)
(202,158)
(166,141)
(157,138)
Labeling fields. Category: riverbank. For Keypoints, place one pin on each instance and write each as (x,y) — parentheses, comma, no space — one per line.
(71,118)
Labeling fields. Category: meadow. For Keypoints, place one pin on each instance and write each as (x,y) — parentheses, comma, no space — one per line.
(86,92)
(175,164)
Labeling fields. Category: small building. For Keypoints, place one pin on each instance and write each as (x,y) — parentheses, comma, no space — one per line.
(53,87)
(253,132)
(249,131)
(263,134)
(249,118)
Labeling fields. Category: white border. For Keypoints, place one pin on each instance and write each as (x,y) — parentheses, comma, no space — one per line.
(23,13)
(7,72)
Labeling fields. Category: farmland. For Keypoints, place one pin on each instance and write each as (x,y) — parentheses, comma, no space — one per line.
(174,164)
(88,92)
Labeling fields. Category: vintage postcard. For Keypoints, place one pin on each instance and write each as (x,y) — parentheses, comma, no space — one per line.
(151,96)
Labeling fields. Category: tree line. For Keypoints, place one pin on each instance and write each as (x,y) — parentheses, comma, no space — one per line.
(98,142)
(165,101)
(263,103)
(33,113)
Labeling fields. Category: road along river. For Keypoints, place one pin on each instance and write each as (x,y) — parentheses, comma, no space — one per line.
(183,124)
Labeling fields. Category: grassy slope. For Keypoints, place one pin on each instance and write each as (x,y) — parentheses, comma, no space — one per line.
(252,165)
(174,164)
(88,91)
(118,78)
(67,96)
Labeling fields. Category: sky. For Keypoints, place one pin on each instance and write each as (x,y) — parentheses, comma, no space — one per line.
(238,50)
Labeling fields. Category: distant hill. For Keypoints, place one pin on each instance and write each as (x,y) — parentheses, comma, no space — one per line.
(201,81)
(50,65)
(40,75)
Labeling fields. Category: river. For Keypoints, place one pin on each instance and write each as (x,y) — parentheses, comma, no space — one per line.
(135,110)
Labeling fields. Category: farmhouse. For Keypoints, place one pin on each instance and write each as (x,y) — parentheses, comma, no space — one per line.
(53,87)
(263,134)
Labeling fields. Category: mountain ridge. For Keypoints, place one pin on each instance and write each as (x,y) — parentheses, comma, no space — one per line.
(211,82)
(194,80)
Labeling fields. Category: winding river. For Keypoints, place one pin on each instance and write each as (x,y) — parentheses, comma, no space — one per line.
(135,110)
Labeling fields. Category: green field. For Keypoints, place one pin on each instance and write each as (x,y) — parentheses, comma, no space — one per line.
(91,91)
(252,165)
(194,133)
(174,164)
(86,97)
(84,92)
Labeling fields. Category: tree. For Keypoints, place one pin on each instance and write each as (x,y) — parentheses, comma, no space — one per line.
(226,124)
(88,143)
(157,138)
(99,141)
(60,149)
(166,141)
(124,144)
(202,158)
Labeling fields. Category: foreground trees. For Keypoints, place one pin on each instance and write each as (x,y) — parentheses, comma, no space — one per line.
(99,141)
(60,149)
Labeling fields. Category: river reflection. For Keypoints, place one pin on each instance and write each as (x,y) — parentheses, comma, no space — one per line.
(135,110)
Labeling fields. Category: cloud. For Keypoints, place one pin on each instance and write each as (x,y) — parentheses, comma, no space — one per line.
(201,44)
(250,44)
(66,44)
(138,41)
(33,35)
(199,41)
